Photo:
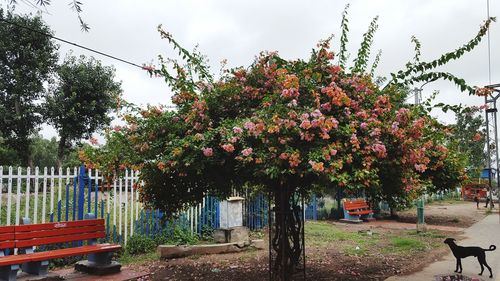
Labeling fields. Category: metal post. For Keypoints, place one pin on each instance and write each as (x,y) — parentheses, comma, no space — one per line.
(488,145)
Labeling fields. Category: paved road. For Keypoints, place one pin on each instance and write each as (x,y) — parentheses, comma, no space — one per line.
(483,234)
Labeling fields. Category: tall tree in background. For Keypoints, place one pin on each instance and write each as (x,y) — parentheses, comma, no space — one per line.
(81,100)
(26,61)
(469,132)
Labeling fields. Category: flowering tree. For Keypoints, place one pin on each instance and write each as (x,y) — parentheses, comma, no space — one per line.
(286,127)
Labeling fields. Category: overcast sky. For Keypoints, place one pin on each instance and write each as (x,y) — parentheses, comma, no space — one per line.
(238,30)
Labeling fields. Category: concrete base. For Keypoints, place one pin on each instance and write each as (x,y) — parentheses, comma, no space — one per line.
(421,227)
(172,251)
(23,276)
(96,269)
(351,221)
(231,235)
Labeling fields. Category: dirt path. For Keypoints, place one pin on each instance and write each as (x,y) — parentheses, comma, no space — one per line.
(447,213)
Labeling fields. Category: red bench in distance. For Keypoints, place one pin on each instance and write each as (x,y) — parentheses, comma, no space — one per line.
(355,210)
(25,237)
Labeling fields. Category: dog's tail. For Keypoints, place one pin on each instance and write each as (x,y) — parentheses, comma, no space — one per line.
(492,248)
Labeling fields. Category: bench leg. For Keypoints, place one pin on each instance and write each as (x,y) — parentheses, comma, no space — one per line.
(39,268)
(101,258)
(9,272)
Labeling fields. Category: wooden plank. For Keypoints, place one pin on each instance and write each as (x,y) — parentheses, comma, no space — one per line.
(59,239)
(53,225)
(58,232)
(55,254)
(6,229)
(6,236)
(7,245)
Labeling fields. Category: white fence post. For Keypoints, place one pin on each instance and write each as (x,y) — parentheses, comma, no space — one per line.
(35,199)
(9,195)
(28,187)
(18,195)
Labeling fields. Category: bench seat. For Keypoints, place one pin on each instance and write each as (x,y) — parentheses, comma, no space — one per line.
(26,237)
(60,253)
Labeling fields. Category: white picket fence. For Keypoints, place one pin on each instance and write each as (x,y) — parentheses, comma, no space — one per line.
(49,194)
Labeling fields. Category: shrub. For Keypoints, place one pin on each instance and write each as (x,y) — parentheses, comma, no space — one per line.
(140,244)
(182,236)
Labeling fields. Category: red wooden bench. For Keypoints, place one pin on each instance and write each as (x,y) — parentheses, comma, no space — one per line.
(25,237)
(355,210)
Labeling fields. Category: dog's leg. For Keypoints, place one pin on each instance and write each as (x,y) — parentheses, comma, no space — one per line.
(481,260)
(460,265)
(456,266)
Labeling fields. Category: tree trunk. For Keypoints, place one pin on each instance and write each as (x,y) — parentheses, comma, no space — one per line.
(60,151)
(287,240)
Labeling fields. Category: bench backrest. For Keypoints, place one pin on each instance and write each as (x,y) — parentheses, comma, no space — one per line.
(7,237)
(58,232)
(355,204)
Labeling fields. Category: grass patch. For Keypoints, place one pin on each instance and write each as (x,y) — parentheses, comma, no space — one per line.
(126,259)
(320,234)
(428,233)
(405,245)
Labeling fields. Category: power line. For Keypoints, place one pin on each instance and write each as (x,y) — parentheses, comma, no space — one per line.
(71,43)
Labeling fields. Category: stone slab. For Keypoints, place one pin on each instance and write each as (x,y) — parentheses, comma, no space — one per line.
(95,269)
(172,251)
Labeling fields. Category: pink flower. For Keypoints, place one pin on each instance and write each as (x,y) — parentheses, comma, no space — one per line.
(395,125)
(333,152)
(249,125)
(380,150)
(363,125)
(306,124)
(316,113)
(208,151)
(237,130)
(228,147)
(304,116)
(326,106)
(477,137)
(420,168)
(247,151)
(284,156)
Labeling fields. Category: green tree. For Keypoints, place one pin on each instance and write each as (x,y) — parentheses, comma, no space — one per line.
(81,100)
(26,61)
(469,132)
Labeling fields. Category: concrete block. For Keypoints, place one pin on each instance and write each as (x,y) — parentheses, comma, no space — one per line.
(230,235)
(258,244)
(96,269)
(172,251)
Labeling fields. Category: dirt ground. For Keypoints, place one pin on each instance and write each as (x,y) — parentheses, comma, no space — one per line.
(334,256)
(448,213)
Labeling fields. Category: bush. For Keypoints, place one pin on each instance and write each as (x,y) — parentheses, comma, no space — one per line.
(182,236)
(140,244)
(207,233)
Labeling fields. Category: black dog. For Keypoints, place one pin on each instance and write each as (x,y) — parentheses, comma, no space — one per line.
(462,252)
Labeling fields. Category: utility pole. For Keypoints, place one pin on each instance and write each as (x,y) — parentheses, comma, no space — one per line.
(417,92)
(492,137)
